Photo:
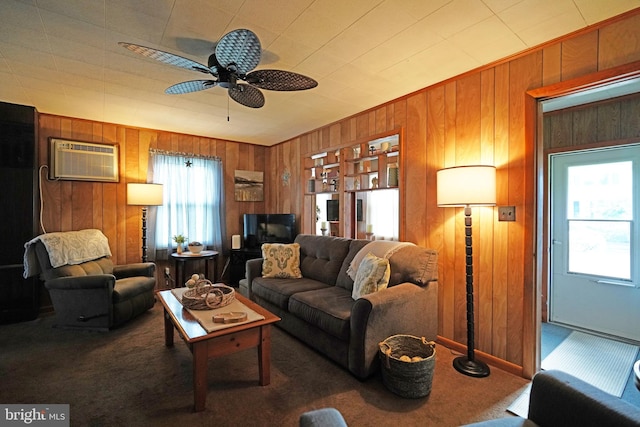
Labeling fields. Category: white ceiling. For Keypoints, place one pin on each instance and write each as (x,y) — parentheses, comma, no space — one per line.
(62,55)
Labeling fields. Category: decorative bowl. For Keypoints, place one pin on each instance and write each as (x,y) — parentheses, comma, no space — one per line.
(195,247)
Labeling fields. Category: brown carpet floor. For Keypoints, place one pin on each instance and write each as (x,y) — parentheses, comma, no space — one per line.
(128,377)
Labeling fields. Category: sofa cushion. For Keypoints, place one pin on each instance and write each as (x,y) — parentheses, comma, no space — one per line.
(321,257)
(329,309)
(281,260)
(413,264)
(344,281)
(372,276)
(277,291)
(380,248)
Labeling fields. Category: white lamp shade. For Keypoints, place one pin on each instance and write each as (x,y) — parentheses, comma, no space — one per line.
(144,194)
(466,186)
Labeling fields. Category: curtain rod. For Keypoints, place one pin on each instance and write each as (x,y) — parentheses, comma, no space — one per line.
(154,151)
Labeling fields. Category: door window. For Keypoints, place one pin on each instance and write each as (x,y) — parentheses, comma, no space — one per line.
(599,215)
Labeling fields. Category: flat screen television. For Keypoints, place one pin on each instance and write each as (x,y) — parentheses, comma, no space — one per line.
(333,210)
(268,228)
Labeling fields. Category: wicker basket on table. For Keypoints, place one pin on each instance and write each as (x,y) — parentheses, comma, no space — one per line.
(207,296)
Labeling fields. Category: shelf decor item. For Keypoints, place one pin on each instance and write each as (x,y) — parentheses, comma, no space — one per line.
(392,175)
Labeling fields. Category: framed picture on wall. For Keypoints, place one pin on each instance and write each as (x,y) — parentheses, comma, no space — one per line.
(248,186)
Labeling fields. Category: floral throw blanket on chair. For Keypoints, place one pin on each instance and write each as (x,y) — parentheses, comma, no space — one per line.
(66,247)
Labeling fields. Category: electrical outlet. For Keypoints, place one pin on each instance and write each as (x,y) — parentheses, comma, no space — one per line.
(167,272)
(506,213)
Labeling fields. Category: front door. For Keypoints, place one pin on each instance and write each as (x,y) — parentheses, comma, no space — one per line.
(595,200)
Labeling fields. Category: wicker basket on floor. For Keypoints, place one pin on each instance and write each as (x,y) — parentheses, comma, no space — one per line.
(207,296)
(407,378)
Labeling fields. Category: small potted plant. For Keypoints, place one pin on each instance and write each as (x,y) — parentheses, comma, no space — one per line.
(180,240)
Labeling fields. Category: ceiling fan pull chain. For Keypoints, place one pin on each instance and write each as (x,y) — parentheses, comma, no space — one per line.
(228,96)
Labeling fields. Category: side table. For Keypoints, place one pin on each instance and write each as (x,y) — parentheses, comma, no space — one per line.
(237,261)
(180,261)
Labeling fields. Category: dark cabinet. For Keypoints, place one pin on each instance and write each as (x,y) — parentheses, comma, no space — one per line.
(19,297)
(237,261)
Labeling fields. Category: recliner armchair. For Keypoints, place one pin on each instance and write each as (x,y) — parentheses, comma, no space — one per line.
(97,294)
(559,399)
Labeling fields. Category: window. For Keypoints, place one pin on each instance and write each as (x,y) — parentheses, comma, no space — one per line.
(193,200)
(599,219)
(382,214)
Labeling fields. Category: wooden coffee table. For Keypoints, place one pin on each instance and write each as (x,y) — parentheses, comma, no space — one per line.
(204,345)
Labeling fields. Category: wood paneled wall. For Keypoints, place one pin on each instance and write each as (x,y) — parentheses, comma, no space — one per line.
(605,122)
(75,205)
(478,117)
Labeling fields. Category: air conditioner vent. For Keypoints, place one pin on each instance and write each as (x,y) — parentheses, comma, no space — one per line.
(82,161)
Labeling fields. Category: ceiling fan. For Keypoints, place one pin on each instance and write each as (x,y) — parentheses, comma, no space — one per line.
(235,56)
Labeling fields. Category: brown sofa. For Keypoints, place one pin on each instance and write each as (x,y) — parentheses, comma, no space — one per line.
(319,310)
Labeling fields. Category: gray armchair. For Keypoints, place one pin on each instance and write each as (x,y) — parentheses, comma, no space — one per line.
(96,294)
(558,399)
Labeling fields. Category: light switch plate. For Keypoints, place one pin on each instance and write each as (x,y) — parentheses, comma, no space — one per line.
(506,213)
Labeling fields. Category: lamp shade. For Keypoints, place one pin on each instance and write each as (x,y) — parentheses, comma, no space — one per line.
(466,186)
(144,194)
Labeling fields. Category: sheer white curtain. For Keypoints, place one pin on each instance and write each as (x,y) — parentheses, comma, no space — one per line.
(383,214)
(193,201)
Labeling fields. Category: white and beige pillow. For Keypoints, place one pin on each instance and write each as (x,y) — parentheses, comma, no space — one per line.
(281,260)
(372,276)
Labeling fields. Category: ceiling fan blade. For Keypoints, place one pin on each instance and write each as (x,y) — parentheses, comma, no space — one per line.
(190,86)
(247,95)
(166,57)
(239,49)
(280,80)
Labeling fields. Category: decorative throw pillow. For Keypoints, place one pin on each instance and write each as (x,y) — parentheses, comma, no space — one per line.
(281,260)
(372,276)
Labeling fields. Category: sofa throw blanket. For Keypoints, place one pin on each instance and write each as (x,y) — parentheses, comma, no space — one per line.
(66,247)
(379,248)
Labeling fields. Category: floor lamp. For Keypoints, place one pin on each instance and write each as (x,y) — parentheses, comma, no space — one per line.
(144,195)
(468,186)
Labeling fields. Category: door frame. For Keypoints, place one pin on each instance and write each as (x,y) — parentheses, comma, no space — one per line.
(534,138)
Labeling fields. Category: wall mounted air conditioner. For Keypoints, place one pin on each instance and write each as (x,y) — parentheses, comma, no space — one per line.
(82,161)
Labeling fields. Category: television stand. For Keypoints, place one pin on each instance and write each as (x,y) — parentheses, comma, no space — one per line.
(238,259)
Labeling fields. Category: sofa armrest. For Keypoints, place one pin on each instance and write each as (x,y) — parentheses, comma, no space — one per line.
(558,398)
(147,269)
(402,309)
(97,281)
(253,269)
